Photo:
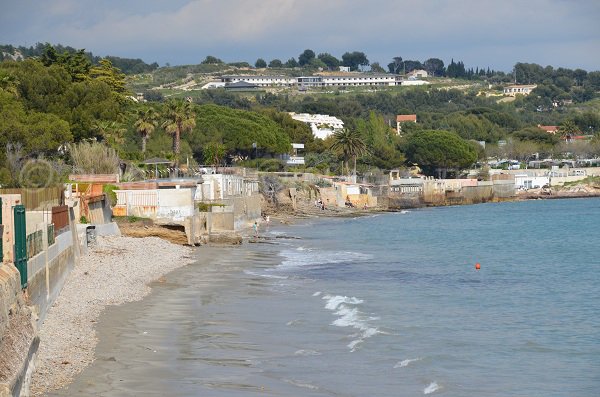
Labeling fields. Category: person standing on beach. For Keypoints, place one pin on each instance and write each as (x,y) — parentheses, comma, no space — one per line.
(255,229)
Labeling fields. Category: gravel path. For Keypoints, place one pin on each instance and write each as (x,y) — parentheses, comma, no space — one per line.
(115,271)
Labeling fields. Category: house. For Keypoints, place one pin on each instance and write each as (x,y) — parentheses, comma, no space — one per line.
(514,90)
(294,158)
(550,129)
(344,68)
(261,81)
(322,125)
(418,73)
(241,86)
(404,118)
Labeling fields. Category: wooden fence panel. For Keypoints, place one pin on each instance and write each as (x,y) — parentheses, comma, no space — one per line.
(60,218)
(38,199)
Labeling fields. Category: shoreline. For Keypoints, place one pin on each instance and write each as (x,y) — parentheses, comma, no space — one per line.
(115,271)
(119,270)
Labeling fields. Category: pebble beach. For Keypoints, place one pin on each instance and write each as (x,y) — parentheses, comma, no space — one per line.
(115,271)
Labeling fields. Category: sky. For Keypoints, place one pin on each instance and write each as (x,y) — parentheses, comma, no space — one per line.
(482,33)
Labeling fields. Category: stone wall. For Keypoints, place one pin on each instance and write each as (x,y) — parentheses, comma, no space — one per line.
(18,340)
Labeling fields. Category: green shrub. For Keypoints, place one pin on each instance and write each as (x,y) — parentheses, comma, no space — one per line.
(83,220)
(207,207)
(109,190)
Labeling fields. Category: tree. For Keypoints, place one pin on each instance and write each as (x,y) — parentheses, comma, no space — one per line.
(305,58)
(145,124)
(110,75)
(329,60)
(111,132)
(350,144)
(434,66)
(211,60)
(260,63)
(396,65)
(291,63)
(437,151)
(568,129)
(355,60)
(179,118)
(275,63)
(535,134)
(376,68)
(409,65)
(214,152)
(456,69)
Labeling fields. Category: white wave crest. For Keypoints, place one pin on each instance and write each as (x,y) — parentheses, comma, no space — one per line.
(302,256)
(432,388)
(272,276)
(318,293)
(307,353)
(350,316)
(334,301)
(299,383)
(405,363)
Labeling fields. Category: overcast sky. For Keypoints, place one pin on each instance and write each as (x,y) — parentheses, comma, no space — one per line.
(480,33)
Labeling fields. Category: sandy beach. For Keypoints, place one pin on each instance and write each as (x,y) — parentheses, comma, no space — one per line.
(116,270)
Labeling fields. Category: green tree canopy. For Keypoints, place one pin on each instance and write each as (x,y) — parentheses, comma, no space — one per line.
(260,63)
(275,63)
(332,62)
(306,57)
(211,60)
(437,152)
(238,130)
(355,60)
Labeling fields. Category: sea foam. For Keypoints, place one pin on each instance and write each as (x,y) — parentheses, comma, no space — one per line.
(350,316)
(433,387)
(405,363)
(302,256)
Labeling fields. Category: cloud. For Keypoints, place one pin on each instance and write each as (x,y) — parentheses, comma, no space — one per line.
(484,32)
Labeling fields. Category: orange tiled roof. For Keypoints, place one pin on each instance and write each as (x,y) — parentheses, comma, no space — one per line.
(406,117)
(549,128)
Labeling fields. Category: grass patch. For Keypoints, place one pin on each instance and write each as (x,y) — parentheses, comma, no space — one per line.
(590,180)
(207,207)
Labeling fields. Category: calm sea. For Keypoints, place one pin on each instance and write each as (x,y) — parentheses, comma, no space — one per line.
(385,305)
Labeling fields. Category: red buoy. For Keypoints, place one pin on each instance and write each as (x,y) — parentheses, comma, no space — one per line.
(477,266)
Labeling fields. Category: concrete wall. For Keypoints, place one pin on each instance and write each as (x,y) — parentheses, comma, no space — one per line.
(48,272)
(173,204)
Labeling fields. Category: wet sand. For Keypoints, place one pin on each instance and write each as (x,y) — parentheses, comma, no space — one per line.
(137,339)
(116,270)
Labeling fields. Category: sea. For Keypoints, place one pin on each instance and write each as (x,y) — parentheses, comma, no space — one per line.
(388,304)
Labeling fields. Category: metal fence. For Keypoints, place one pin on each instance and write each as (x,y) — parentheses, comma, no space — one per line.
(35,243)
(51,235)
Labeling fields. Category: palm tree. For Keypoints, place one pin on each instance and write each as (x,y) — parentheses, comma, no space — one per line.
(180,118)
(351,145)
(145,124)
(111,131)
(568,129)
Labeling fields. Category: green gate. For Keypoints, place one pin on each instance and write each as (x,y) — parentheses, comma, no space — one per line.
(20,243)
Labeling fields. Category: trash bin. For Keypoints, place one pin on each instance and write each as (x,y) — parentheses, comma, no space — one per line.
(90,233)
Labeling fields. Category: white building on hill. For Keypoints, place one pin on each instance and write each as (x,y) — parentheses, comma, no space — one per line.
(322,125)
(262,81)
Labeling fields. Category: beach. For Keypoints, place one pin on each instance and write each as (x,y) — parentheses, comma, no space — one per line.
(116,270)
